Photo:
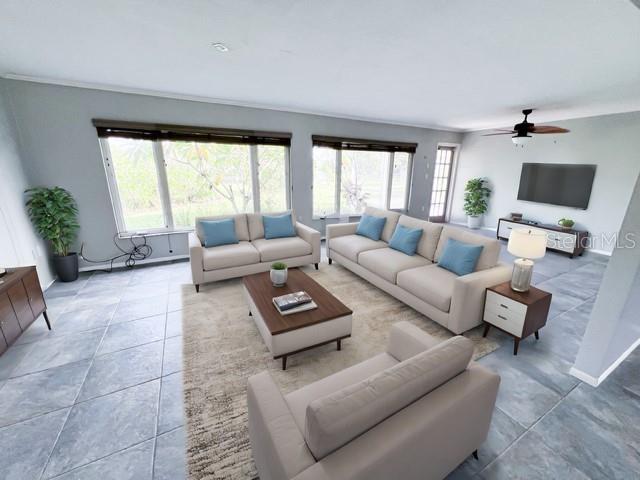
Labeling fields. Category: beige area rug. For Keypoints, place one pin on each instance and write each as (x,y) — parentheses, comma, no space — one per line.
(222,348)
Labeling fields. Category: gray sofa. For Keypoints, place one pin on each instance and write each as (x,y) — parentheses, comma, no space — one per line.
(253,253)
(416,411)
(455,302)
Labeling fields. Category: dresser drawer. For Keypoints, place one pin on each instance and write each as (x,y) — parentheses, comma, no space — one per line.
(512,325)
(565,242)
(504,228)
(8,320)
(499,303)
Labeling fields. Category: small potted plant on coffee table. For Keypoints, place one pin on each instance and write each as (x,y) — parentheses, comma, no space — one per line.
(278,274)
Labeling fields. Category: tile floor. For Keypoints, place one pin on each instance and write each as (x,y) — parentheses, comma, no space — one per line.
(100,396)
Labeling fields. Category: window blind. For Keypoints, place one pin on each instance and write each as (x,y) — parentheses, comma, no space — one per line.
(154,131)
(340,143)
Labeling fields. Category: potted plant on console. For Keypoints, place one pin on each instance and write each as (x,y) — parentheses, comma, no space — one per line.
(278,274)
(476,194)
(54,214)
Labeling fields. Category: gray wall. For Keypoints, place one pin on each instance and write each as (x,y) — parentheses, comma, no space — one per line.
(61,148)
(615,323)
(611,142)
(19,245)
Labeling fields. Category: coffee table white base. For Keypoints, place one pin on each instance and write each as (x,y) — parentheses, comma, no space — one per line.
(294,341)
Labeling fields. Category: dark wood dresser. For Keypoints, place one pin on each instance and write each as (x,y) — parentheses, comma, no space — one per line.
(21,302)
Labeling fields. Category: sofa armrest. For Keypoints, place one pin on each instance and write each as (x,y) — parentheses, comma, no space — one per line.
(467,301)
(407,340)
(339,230)
(279,449)
(312,237)
(196,259)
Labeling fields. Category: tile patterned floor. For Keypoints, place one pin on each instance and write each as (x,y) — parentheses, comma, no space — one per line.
(100,396)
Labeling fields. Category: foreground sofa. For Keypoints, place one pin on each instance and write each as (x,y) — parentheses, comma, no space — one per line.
(253,253)
(416,411)
(454,302)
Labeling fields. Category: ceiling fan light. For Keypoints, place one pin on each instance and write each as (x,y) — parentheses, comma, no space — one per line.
(521,139)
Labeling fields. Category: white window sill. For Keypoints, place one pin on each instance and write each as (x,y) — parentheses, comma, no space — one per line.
(153,233)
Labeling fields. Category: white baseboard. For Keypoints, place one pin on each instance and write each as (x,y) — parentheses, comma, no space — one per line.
(103,266)
(463,224)
(595,381)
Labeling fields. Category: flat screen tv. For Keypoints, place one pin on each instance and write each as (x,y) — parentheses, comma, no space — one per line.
(556,183)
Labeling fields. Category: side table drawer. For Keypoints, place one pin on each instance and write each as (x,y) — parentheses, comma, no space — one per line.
(497,303)
(512,325)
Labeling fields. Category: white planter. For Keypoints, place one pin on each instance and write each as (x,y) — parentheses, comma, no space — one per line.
(278,277)
(474,222)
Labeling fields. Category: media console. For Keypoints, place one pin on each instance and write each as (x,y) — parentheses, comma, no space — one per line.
(572,242)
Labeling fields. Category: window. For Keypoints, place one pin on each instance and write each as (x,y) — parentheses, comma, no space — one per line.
(441,180)
(349,175)
(161,179)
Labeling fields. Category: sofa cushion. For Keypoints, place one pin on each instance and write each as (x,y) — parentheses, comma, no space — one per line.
(350,246)
(371,227)
(430,284)
(278,226)
(218,232)
(406,239)
(389,225)
(256,227)
(226,256)
(386,262)
(242,228)
(490,252)
(300,399)
(281,248)
(339,417)
(429,241)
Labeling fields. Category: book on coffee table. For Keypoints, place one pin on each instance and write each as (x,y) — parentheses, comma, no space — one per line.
(294,303)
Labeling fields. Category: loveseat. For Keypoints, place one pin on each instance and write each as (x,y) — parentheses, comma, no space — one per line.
(455,302)
(416,411)
(253,253)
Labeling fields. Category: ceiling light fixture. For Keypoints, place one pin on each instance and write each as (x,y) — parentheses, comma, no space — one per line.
(221,47)
(521,139)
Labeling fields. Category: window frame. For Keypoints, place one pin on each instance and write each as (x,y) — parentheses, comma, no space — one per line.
(163,187)
(388,184)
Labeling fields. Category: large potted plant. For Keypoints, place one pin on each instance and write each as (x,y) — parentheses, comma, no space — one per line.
(476,194)
(54,214)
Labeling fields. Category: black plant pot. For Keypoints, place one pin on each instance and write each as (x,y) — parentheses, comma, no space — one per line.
(66,267)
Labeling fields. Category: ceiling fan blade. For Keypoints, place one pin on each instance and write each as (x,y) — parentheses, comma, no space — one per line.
(547,129)
(499,133)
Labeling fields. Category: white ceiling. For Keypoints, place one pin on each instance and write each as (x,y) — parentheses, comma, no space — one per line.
(459,64)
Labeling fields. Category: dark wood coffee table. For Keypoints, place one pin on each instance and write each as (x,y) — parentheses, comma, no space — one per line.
(286,335)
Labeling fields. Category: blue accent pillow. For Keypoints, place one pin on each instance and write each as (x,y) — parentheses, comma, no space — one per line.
(460,258)
(219,232)
(278,226)
(371,227)
(406,239)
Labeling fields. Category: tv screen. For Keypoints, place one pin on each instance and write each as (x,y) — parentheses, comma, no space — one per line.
(558,184)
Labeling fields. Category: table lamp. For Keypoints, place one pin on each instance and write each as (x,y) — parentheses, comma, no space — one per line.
(528,244)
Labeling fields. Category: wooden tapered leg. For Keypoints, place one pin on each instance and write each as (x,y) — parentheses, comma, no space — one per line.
(197,288)
(316,266)
(537,335)
(46,319)
(475,454)
(339,341)
(516,344)
(487,326)
(330,261)
(284,362)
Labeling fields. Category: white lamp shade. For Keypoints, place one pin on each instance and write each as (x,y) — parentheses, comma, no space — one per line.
(527,243)
(520,140)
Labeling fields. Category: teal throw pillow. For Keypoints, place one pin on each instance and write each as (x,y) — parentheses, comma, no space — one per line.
(460,258)
(278,226)
(371,227)
(219,232)
(406,239)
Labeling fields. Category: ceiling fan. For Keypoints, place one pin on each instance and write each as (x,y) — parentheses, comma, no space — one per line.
(523,129)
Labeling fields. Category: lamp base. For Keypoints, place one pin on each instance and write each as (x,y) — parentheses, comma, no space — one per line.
(521,277)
